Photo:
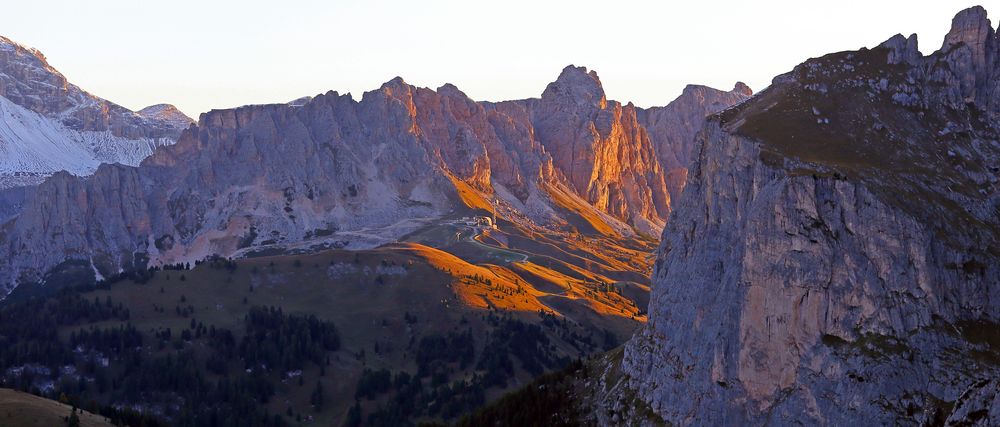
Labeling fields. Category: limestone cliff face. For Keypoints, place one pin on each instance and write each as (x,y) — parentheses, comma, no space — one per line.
(979,406)
(829,264)
(333,171)
(273,174)
(602,149)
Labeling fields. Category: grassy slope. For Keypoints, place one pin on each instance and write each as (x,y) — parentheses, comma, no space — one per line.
(438,274)
(19,409)
(345,287)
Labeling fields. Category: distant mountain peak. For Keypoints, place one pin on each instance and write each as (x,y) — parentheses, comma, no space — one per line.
(450,90)
(742,89)
(395,82)
(298,102)
(902,49)
(51,124)
(8,44)
(577,84)
(166,113)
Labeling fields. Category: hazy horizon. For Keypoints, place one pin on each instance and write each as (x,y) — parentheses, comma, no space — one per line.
(201,56)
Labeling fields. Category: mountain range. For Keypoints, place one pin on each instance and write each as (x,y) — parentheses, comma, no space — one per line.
(364,173)
(535,215)
(828,252)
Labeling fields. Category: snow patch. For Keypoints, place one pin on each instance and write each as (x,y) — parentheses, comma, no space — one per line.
(34,146)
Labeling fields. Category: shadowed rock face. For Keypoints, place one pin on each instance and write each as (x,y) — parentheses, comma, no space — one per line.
(673,128)
(979,406)
(834,256)
(282,174)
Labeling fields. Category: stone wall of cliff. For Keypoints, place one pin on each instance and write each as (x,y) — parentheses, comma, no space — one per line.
(834,256)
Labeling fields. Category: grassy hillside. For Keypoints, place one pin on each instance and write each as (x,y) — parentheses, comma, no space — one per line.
(421,335)
(424,330)
(18,409)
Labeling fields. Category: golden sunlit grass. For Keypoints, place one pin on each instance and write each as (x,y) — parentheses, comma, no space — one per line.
(479,286)
(578,207)
(526,267)
(523,286)
(469,196)
(366,293)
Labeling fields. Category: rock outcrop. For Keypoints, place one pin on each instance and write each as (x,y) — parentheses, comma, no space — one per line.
(50,125)
(979,406)
(331,171)
(834,257)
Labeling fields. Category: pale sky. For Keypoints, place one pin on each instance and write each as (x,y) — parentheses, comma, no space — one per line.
(207,54)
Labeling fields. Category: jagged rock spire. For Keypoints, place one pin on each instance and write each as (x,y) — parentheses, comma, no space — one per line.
(742,89)
(971,27)
(577,84)
(970,50)
(902,49)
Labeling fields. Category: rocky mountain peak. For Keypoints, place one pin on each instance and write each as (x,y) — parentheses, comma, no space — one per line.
(969,62)
(672,128)
(166,113)
(395,83)
(449,89)
(8,45)
(51,124)
(27,79)
(971,27)
(577,85)
(742,89)
(397,88)
(902,49)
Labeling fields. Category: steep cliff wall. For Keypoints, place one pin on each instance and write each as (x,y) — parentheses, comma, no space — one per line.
(834,257)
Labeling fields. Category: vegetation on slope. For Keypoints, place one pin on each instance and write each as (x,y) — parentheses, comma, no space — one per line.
(27,410)
(376,337)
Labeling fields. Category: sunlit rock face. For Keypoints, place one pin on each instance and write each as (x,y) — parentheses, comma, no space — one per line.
(48,124)
(624,160)
(357,173)
(834,257)
(601,148)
